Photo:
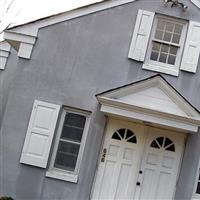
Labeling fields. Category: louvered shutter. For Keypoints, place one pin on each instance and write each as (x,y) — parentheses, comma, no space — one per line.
(40,134)
(141,35)
(192,48)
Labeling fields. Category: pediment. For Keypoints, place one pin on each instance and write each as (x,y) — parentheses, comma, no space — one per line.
(154,96)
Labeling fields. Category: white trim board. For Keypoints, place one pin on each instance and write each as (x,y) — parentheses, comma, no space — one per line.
(31,29)
(152,100)
(196,2)
(4,54)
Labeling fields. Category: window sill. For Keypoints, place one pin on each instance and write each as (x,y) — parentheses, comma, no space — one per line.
(161,69)
(62,176)
(195,197)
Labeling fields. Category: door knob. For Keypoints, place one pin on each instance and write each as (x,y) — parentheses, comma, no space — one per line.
(140,172)
(138,183)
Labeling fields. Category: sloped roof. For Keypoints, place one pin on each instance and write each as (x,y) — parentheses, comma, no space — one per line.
(153,100)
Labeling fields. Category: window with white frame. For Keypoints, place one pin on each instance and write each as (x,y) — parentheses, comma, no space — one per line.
(166,45)
(69,145)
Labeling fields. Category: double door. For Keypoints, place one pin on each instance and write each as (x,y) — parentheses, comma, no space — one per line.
(138,162)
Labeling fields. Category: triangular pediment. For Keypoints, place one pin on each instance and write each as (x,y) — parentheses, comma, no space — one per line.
(154,93)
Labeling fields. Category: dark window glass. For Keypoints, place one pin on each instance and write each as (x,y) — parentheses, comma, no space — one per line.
(160,140)
(171,148)
(72,133)
(67,154)
(163,58)
(167,142)
(169,27)
(75,120)
(156,46)
(167,36)
(154,144)
(176,38)
(129,133)
(154,55)
(121,132)
(171,59)
(159,35)
(132,140)
(198,188)
(178,29)
(173,50)
(116,136)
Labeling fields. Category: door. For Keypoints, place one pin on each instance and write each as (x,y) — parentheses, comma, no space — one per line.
(118,166)
(138,162)
(160,164)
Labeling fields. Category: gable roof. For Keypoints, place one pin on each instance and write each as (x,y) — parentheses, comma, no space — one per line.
(153,96)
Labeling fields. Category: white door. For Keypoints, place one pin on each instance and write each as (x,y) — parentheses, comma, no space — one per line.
(138,162)
(160,164)
(117,170)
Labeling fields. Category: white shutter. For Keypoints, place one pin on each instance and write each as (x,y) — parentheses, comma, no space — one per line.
(192,48)
(141,35)
(40,134)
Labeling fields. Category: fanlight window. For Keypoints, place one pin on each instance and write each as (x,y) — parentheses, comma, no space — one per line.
(125,134)
(163,142)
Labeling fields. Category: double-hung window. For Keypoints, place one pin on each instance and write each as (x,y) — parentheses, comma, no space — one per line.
(69,145)
(166,45)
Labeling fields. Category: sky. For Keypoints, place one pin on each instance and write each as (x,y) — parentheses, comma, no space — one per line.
(14,12)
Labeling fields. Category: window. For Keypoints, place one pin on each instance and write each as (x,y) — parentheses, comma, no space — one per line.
(69,145)
(196,194)
(166,45)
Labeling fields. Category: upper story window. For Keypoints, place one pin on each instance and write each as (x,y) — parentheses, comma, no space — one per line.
(165,44)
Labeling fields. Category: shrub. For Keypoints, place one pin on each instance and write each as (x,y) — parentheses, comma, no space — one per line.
(6,198)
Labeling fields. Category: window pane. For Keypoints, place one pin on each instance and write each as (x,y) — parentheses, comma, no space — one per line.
(159,35)
(176,38)
(154,55)
(198,188)
(160,140)
(156,46)
(121,132)
(165,48)
(75,120)
(169,27)
(173,50)
(160,25)
(171,59)
(66,157)
(72,133)
(163,58)
(167,36)
(178,29)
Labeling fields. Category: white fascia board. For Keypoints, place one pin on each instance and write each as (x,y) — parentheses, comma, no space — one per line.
(26,34)
(19,37)
(26,43)
(32,28)
(196,2)
(4,53)
(144,117)
(153,116)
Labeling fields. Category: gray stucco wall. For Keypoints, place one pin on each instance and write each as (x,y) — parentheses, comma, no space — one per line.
(71,62)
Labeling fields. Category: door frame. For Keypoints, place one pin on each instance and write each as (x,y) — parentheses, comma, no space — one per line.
(146,127)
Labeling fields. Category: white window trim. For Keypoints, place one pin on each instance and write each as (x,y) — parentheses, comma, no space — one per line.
(162,67)
(64,174)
